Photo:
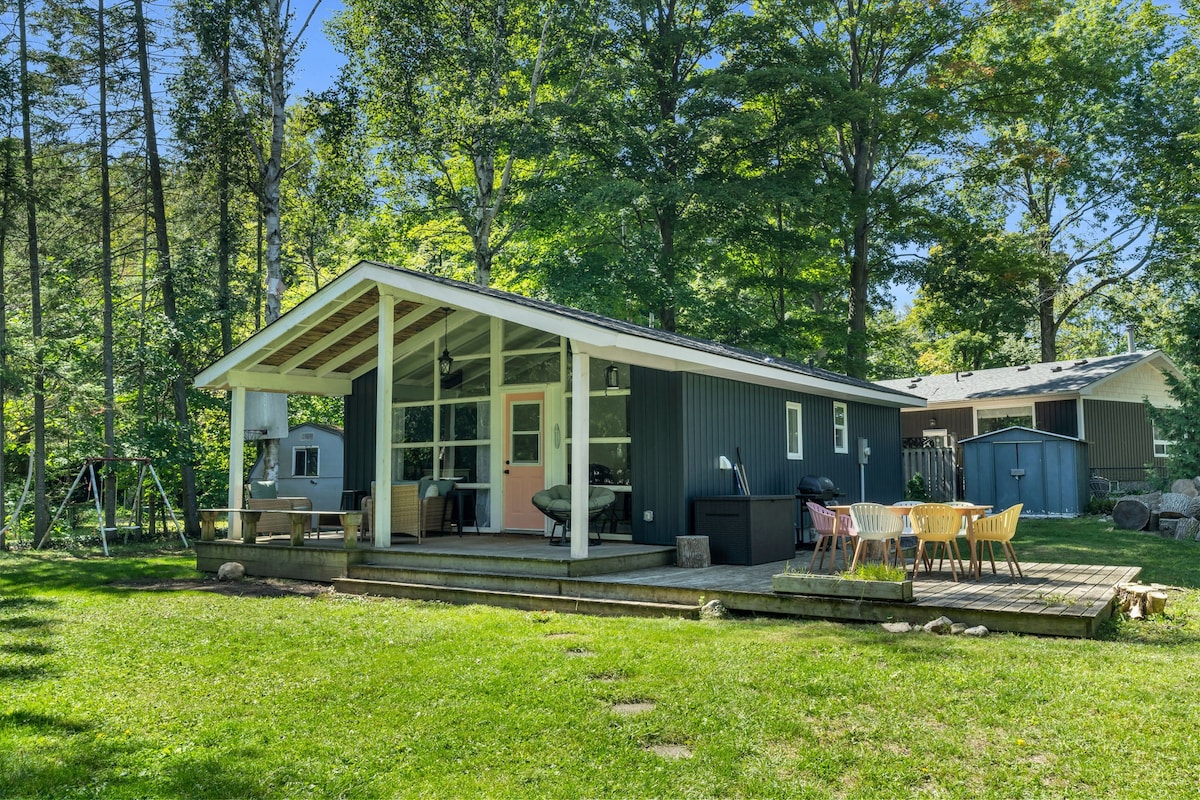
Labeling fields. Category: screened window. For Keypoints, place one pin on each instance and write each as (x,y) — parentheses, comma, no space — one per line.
(841,444)
(1162,447)
(304,462)
(795,436)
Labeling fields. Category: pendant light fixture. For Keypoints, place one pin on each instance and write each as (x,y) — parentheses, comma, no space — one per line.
(445,360)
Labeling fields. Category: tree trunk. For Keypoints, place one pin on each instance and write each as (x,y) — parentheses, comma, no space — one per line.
(165,270)
(224,226)
(41,510)
(1131,514)
(7,184)
(1046,325)
(110,403)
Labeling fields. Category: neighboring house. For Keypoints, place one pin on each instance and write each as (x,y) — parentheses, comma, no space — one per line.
(1101,401)
(311,459)
(449,379)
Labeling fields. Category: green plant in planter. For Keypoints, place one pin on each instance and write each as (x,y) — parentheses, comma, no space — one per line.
(916,488)
(875,571)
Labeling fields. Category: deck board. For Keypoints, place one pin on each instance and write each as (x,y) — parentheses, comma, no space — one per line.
(1054,599)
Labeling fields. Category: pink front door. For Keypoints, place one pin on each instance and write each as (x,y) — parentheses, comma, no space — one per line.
(524,459)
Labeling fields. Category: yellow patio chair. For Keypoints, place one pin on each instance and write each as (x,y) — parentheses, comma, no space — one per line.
(939,524)
(997,528)
(875,523)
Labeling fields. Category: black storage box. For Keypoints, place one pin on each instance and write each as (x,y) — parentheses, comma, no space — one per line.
(747,530)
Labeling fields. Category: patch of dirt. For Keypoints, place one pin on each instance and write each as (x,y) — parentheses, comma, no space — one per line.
(629,709)
(248,587)
(672,751)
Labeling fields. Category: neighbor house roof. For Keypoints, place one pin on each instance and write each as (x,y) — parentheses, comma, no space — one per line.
(329,339)
(1075,377)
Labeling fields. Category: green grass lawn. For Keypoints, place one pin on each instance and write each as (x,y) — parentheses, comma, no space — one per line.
(111,690)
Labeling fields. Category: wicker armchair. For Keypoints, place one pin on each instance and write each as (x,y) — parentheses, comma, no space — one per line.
(412,513)
(279,523)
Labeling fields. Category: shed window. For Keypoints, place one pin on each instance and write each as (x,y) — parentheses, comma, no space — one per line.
(304,462)
(841,443)
(795,436)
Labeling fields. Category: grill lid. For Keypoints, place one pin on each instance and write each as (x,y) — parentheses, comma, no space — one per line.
(817,487)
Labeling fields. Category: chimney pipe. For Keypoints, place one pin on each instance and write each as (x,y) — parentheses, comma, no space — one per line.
(1129,345)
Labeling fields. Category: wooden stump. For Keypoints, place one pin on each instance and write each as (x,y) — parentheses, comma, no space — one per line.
(1131,514)
(692,552)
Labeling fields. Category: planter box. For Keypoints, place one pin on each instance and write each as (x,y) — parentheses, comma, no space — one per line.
(833,586)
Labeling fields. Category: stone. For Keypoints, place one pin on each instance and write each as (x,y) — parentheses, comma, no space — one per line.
(714,609)
(897,627)
(231,571)
(1184,486)
(958,627)
(978,630)
(939,626)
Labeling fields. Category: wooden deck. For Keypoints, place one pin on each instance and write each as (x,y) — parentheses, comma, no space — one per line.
(526,572)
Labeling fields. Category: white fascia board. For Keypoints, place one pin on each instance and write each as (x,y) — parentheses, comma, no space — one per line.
(291,383)
(252,349)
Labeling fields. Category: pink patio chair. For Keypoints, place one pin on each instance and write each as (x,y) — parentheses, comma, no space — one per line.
(831,528)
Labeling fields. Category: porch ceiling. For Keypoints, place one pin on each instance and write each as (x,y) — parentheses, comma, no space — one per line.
(331,338)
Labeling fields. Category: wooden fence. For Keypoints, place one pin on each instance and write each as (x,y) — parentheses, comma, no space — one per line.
(937,465)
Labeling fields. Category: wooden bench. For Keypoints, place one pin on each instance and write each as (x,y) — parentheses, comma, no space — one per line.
(298,518)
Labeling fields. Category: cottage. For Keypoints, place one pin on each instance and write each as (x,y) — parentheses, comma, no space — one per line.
(1101,401)
(444,379)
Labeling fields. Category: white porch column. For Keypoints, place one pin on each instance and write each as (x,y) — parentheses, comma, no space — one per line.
(237,457)
(381,526)
(580,429)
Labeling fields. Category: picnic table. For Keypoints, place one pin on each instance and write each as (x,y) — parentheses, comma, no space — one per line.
(350,520)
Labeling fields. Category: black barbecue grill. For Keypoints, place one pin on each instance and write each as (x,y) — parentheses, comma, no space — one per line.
(819,490)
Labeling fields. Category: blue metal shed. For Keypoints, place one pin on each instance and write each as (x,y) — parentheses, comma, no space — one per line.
(1045,471)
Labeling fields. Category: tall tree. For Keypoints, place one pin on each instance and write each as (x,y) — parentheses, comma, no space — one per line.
(41,509)
(458,122)
(1069,132)
(167,279)
(882,77)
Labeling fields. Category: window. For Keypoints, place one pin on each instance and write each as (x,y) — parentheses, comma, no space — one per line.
(525,430)
(304,462)
(1162,447)
(795,438)
(841,444)
(996,419)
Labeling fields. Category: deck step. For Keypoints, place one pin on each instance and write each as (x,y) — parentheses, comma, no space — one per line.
(529,602)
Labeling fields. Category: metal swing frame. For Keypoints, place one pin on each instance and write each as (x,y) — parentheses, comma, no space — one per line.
(89,469)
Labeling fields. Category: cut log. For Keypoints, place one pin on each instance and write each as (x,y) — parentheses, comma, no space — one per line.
(1156,602)
(1173,506)
(1194,508)
(1186,529)
(1131,514)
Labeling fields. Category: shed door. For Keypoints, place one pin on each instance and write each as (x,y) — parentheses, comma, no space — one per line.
(1030,488)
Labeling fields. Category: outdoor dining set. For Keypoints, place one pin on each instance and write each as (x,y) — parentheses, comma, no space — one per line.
(937,528)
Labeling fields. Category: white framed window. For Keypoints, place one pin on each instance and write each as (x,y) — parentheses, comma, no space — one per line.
(995,419)
(841,442)
(1162,447)
(795,435)
(305,462)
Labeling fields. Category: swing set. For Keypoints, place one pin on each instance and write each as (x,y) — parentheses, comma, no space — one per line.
(90,471)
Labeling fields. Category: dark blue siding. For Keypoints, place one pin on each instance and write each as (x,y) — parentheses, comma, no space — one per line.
(683,424)
(359,432)
(1058,416)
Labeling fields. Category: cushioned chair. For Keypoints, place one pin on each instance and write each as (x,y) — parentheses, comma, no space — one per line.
(417,508)
(997,528)
(939,524)
(555,503)
(279,523)
(824,523)
(875,523)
